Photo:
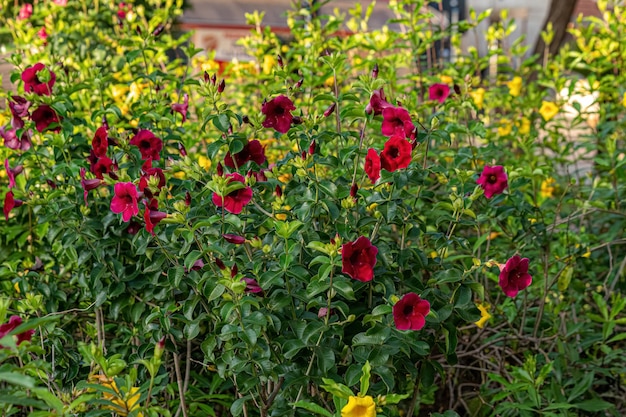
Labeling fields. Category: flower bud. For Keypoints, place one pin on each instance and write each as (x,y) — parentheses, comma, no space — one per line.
(220,264)
(312,147)
(280,61)
(182,150)
(213,79)
(278,191)
(330,110)
(220,169)
(353,190)
(187,198)
(206,77)
(297,120)
(221,86)
(235,239)
(234,271)
(158,30)
(375,71)
(299,83)
(159,348)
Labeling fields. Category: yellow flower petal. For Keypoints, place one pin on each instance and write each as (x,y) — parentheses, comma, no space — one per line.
(484,314)
(478,96)
(359,407)
(515,86)
(548,110)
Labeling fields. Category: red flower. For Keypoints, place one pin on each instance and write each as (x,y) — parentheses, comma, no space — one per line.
(152,216)
(133,227)
(13,323)
(11,140)
(43,35)
(438,92)
(235,200)
(122,9)
(358,259)
(148,144)
(377,103)
(34,84)
(277,113)
(409,313)
(181,108)
(372,165)
(100,142)
(88,185)
(252,151)
(125,200)
(12,172)
(397,121)
(514,277)
(493,180)
(43,117)
(252,286)
(396,154)
(148,172)
(236,239)
(9,203)
(25,11)
(101,166)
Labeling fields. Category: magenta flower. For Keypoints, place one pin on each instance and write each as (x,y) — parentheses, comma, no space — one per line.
(377,103)
(11,141)
(10,202)
(125,200)
(397,122)
(514,276)
(236,200)
(13,323)
(235,239)
(493,180)
(43,117)
(372,165)
(12,172)
(410,312)
(36,82)
(181,108)
(100,142)
(149,145)
(88,185)
(277,113)
(25,12)
(43,35)
(147,172)
(152,216)
(19,108)
(396,154)
(101,166)
(358,259)
(438,92)
(252,151)
(252,286)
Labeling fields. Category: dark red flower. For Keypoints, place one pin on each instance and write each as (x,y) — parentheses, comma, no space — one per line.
(358,259)
(147,172)
(234,201)
(377,103)
(149,145)
(197,265)
(396,154)
(181,108)
(11,140)
(101,166)
(514,276)
(12,172)
(151,215)
(372,165)
(438,92)
(38,79)
(88,185)
(43,117)
(25,11)
(125,200)
(10,203)
(133,227)
(13,323)
(252,286)
(410,312)
(493,180)
(278,113)
(252,151)
(236,239)
(100,142)
(397,122)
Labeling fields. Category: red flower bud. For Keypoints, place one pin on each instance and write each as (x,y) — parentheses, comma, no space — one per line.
(303,155)
(233,271)
(220,264)
(278,191)
(375,71)
(197,265)
(299,83)
(182,150)
(158,30)
(206,77)
(221,86)
(213,79)
(280,61)
(187,198)
(353,190)
(330,110)
(297,120)
(220,169)
(235,239)
(312,147)
(52,184)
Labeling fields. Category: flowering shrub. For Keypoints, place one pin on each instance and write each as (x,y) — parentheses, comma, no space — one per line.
(262,239)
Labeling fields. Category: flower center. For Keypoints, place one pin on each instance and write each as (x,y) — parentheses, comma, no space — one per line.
(279,111)
(492,179)
(394,152)
(407,310)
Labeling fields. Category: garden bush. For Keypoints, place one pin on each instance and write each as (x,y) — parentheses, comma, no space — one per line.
(344,226)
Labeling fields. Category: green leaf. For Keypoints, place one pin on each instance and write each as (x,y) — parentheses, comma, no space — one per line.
(336,389)
(17,379)
(365,378)
(222,123)
(594,405)
(581,387)
(314,408)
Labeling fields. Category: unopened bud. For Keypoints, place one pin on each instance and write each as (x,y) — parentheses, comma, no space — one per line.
(303,155)
(246,119)
(159,348)
(353,190)
(312,147)
(158,30)
(220,264)
(220,169)
(221,86)
(207,77)
(187,198)
(213,79)
(52,184)
(182,150)
(280,61)
(375,71)
(105,124)
(233,271)
(330,110)
(299,83)
(457,89)
(278,191)
(297,120)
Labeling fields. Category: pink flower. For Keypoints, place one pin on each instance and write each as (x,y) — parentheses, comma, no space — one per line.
(182,108)
(10,203)
(88,185)
(12,172)
(439,92)
(43,117)
(277,113)
(11,141)
(410,312)
(358,259)
(13,323)
(38,79)
(60,2)
(372,165)
(397,122)
(19,108)
(252,286)
(125,200)
(234,201)
(122,9)
(25,12)
(252,151)
(396,154)
(235,239)
(377,103)
(149,145)
(152,216)
(493,180)
(43,35)
(514,277)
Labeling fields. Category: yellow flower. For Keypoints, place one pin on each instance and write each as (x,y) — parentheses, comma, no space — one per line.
(283,216)
(3,119)
(547,188)
(118,91)
(204,162)
(123,403)
(484,314)
(446,79)
(505,127)
(135,90)
(548,110)
(624,100)
(478,96)
(359,407)
(523,126)
(268,64)
(515,86)
(330,81)
(180,175)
